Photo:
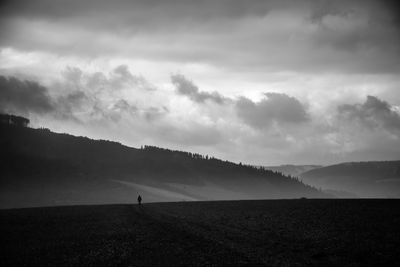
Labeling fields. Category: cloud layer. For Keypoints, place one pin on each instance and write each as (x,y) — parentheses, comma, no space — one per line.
(277,123)
(303,36)
(264,82)
(373,113)
(278,108)
(24,96)
(189,89)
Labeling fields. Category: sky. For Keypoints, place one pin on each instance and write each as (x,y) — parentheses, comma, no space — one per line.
(259,82)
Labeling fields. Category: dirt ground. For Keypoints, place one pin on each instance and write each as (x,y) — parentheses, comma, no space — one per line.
(225,233)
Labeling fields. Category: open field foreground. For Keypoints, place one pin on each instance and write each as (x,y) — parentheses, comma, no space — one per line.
(235,233)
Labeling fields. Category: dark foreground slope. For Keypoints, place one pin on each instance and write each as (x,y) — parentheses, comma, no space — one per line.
(231,233)
(39,167)
(379,179)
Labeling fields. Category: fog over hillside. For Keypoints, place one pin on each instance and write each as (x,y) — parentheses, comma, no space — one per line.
(292,170)
(40,167)
(378,179)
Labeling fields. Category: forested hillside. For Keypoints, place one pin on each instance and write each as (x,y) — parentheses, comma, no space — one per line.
(39,167)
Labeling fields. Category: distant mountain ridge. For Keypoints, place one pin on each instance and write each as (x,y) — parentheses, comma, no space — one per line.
(41,168)
(379,179)
(292,170)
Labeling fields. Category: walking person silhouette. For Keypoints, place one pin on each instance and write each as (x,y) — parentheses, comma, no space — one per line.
(139,200)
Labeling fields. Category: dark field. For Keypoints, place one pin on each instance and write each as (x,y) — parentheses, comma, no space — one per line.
(270,232)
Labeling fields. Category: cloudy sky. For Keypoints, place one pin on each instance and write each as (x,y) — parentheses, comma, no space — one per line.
(261,82)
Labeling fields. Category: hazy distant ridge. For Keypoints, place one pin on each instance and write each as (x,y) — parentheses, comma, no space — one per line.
(365,179)
(292,170)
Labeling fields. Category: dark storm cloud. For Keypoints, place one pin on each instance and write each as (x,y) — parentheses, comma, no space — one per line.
(279,108)
(373,113)
(67,105)
(394,7)
(382,10)
(58,9)
(189,89)
(341,36)
(23,96)
(128,16)
(76,101)
(345,26)
(117,14)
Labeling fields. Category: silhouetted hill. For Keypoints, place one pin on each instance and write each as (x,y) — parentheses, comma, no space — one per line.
(365,179)
(292,170)
(39,167)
